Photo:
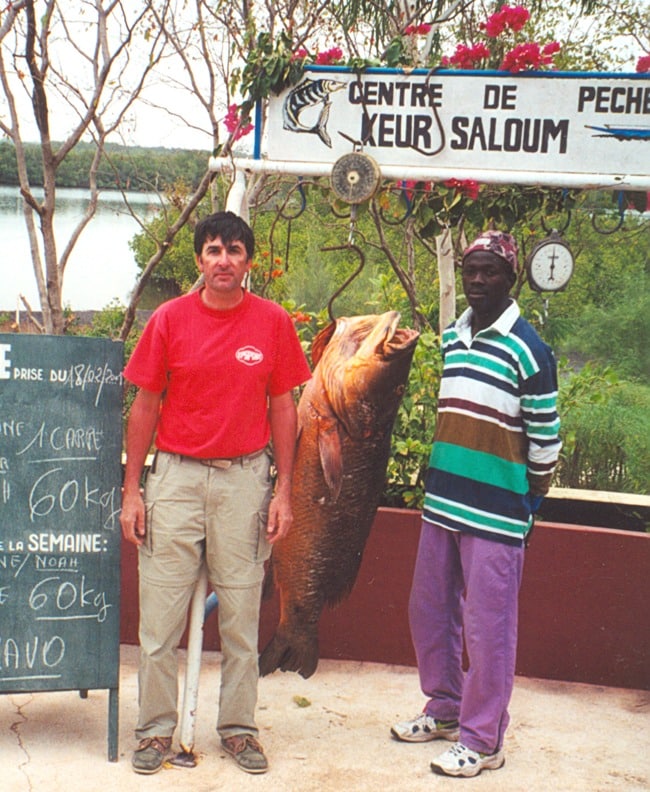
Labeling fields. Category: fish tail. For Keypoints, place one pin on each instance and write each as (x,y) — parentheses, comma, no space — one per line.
(290,653)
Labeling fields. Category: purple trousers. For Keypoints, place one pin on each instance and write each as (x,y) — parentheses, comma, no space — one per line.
(463,584)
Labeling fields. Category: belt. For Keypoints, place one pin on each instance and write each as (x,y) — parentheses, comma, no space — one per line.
(224,464)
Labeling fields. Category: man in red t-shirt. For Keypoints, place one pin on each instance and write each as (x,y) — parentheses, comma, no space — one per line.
(216,369)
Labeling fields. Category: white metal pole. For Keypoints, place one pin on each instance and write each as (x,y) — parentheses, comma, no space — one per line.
(237,196)
(623,181)
(193,670)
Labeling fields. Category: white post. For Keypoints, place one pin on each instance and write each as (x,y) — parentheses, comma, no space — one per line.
(193,665)
(445,251)
(237,196)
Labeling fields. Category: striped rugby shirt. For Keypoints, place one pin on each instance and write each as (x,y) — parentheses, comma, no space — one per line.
(496,442)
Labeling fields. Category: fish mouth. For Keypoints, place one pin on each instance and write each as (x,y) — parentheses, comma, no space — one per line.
(365,338)
(364,368)
(388,339)
(402,340)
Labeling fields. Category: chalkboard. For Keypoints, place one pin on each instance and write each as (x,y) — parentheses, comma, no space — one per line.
(60,479)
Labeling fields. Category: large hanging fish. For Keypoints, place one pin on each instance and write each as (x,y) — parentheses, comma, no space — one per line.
(302,99)
(346,415)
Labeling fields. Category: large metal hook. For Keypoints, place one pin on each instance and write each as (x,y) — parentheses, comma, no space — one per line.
(303,201)
(340,215)
(402,192)
(621,217)
(362,261)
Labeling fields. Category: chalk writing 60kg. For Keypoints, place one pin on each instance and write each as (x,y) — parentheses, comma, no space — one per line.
(47,494)
(64,600)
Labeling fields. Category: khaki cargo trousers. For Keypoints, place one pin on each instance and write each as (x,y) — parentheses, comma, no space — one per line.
(214,513)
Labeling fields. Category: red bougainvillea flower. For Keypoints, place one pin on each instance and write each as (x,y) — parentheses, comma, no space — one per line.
(513,17)
(417,30)
(529,56)
(468,187)
(233,124)
(300,54)
(467,57)
(300,318)
(643,64)
(329,57)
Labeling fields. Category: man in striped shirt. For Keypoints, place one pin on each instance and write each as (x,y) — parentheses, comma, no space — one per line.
(495,449)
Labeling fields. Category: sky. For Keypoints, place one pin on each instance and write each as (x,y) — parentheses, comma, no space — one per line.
(166,112)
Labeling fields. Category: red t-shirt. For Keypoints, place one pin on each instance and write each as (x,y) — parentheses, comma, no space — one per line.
(217,370)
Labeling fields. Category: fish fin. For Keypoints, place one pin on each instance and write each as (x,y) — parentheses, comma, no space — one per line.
(335,598)
(340,584)
(299,429)
(331,455)
(321,126)
(320,341)
(268,585)
(299,654)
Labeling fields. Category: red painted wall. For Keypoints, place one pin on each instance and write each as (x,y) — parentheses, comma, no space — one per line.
(584,604)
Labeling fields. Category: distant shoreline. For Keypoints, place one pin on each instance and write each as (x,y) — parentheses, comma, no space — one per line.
(81,319)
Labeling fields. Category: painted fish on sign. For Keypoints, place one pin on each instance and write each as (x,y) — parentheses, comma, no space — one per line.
(346,415)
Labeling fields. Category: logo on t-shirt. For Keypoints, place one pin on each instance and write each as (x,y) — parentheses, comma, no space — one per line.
(249,356)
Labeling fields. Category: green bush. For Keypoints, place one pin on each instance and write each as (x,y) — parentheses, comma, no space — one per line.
(605,432)
(617,334)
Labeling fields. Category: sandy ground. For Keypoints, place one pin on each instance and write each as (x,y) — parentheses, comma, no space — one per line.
(562,737)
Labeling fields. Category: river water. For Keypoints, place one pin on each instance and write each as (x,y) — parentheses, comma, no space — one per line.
(101,267)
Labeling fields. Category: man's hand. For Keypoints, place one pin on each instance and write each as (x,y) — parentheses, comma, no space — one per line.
(140,431)
(283,432)
(132,517)
(280,517)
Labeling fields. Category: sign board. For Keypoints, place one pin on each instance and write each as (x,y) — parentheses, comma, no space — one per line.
(60,479)
(572,129)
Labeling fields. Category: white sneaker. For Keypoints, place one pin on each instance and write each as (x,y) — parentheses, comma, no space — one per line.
(425,728)
(462,761)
